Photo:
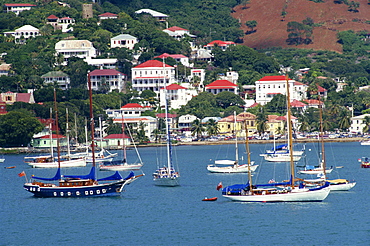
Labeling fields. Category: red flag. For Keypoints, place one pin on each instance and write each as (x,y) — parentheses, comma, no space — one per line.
(22,174)
(219,186)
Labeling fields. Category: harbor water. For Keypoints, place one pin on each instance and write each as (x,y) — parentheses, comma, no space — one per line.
(145,214)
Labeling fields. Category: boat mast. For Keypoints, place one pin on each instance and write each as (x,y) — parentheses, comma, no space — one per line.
(248,156)
(76,130)
(57,126)
(236,141)
(169,159)
(92,126)
(290,131)
(123,141)
(67,131)
(51,134)
(323,159)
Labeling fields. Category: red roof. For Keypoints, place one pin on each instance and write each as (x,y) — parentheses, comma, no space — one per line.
(176,28)
(116,136)
(297,104)
(313,101)
(132,105)
(152,63)
(321,89)
(175,56)
(174,87)
(66,18)
(163,115)
(104,72)
(272,78)
(19,5)
(54,136)
(220,84)
(254,105)
(23,97)
(220,43)
(108,15)
(52,17)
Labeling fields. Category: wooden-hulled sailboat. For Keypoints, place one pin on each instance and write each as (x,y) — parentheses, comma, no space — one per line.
(79,185)
(276,192)
(231,166)
(122,165)
(167,175)
(322,171)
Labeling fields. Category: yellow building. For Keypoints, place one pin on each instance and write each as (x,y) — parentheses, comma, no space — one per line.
(228,127)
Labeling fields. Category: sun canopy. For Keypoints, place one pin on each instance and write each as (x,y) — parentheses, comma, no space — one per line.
(57,176)
(91,175)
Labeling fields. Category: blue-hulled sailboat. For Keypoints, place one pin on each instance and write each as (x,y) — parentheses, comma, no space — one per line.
(79,185)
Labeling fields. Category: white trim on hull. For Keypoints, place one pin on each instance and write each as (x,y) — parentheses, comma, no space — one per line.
(231,169)
(296,195)
(315,171)
(170,182)
(122,167)
(70,163)
(281,158)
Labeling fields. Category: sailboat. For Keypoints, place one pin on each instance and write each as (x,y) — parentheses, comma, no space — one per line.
(167,175)
(285,191)
(49,161)
(321,171)
(79,185)
(231,166)
(122,165)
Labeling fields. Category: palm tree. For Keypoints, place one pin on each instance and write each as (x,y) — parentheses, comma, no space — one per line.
(197,128)
(212,127)
(261,121)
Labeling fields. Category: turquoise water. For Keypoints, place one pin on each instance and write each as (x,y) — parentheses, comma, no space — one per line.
(150,215)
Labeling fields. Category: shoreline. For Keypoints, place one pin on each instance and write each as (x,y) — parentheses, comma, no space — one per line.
(22,150)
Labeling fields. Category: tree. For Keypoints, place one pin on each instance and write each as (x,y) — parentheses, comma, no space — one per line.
(197,128)
(251,25)
(299,33)
(226,99)
(17,128)
(212,127)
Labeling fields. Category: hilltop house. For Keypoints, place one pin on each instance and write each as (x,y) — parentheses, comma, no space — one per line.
(123,41)
(16,8)
(5,69)
(107,16)
(152,75)
(64,24)
(75,48)
(23,33)
(220,86)
(59,77)
(184,60)
(223,45)
(159,16)
(269,86)
(108,78)
(12,97)
(178,33)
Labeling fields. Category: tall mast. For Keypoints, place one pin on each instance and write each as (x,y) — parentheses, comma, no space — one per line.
(67,131)
(248,156)
(92,125)
(123,141)
(236,141)
(57,124)
(323,159)
(290,131)
(76,130)
(51,134)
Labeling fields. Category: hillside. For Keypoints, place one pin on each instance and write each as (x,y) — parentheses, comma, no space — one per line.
(271,30)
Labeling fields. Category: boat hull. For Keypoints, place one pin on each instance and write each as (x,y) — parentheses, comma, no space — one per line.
(231,169)
(123,167)
(170,182)
(315,171)
(296,195)
(109,189)
(281,158)
(55,164)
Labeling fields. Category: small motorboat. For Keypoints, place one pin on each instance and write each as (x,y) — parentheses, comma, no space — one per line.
(9,167)
(210,199)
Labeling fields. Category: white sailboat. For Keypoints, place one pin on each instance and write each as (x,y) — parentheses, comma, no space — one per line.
(167,175)
(231,166)
(122,165)
(276,192)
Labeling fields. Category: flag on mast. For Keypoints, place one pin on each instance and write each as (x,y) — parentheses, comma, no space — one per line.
(219,186)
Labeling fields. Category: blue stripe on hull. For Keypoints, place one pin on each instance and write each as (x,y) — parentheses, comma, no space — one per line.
(113,189)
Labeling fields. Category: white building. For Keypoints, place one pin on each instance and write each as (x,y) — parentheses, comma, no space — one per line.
(107,16)
(358,124)
(178,33)
(177,96)
(152,75)
(159,16)
(185,123)
(230,76)
(107,63)
(123,41)
(107,77)
(269,86)
(75,48)
(16,8)
(64,24)
(179,58)
(223,45)
(23,33)
(220,86)
(62,79)
(197,73)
